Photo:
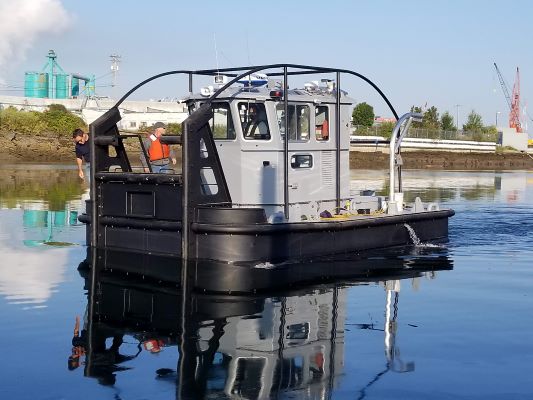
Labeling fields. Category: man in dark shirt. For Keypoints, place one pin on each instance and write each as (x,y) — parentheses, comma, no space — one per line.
(82,150)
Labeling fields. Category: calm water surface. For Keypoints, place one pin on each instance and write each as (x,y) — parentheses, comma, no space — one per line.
(451,322)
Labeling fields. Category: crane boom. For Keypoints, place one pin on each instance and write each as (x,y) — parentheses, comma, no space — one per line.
(514,102)
(504,87)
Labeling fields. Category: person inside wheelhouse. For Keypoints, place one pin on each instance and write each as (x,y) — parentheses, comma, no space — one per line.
(321,123)
(254,121)
(298,121)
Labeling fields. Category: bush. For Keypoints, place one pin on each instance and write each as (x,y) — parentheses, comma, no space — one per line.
(173,128)
(57,119)
(362,130)
(29,122)
(385,129)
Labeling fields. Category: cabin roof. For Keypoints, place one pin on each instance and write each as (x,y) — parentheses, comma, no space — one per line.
(321,95)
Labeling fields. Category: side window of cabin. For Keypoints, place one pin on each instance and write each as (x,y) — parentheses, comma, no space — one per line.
(221,122)
(322,123)
(299,124)
(299,161)
(254,121)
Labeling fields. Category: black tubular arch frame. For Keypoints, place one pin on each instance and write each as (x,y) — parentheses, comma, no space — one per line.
(108,120)
(304,70)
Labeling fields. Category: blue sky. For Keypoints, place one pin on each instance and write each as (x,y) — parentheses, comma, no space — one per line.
(419,52)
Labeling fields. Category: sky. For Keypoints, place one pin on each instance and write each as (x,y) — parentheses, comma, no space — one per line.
(423,53)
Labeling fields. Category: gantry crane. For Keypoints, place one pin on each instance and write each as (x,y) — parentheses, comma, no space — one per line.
(514,101)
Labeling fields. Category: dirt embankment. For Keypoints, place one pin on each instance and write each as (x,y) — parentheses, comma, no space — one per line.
(17,147)
(55,148)
(428,159)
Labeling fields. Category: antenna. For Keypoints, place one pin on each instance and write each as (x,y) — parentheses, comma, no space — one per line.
(216,50)
(248,49)
(457,114)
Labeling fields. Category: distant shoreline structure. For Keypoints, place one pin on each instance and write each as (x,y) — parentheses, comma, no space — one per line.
(135,114)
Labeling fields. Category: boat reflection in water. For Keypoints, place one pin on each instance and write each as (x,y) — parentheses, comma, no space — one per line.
(254,346)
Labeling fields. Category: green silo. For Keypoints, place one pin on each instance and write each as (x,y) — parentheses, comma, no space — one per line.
(36,84)
(42,85)
(75,87)
(35,218)
(29,84)
(61,86)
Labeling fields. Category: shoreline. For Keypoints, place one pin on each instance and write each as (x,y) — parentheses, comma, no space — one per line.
(23,148)
(445,160)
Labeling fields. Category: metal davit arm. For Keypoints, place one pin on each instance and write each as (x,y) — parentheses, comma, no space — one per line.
(398,133)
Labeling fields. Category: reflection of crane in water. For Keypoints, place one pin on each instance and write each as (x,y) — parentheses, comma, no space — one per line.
(392,353)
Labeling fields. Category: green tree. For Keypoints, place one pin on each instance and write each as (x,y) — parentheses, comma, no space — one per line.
(417,110)
(446,122)
(431,118)
(474,123)
(363,114)
(385,129)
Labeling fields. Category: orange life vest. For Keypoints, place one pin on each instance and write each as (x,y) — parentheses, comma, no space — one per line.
(158,150)
(325,130)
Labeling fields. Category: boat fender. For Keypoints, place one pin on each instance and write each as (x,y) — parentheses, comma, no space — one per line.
(418,206)
(433,207)
(325,214)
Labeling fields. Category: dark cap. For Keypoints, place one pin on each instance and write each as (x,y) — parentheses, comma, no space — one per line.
(159,125)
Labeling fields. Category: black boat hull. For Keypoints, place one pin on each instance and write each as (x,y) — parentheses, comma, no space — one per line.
(254,257)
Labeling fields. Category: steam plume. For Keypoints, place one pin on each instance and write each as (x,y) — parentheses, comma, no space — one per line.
(22,21)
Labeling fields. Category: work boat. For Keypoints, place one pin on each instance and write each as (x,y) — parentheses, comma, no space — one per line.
(263,190)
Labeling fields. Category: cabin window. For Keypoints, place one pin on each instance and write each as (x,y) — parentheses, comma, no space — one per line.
(254,121)
(301,161)
(208,182)
(298,121)
(221,122)
(322,123)
(298,331)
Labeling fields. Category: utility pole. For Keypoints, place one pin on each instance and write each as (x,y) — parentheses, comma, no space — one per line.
(457,114)
(115,61)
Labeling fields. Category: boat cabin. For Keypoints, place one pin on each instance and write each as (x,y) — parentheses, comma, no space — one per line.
(248,127)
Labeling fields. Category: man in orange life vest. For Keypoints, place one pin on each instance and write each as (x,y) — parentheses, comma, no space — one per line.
(160,154)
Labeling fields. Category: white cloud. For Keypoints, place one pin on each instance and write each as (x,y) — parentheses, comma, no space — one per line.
(23,21)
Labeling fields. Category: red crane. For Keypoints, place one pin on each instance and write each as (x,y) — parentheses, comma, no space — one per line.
(514,101)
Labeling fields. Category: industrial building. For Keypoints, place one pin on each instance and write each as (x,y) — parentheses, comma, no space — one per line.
(52,85)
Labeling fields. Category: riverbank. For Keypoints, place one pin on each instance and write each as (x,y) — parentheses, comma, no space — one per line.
(444,160)
(15,148)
